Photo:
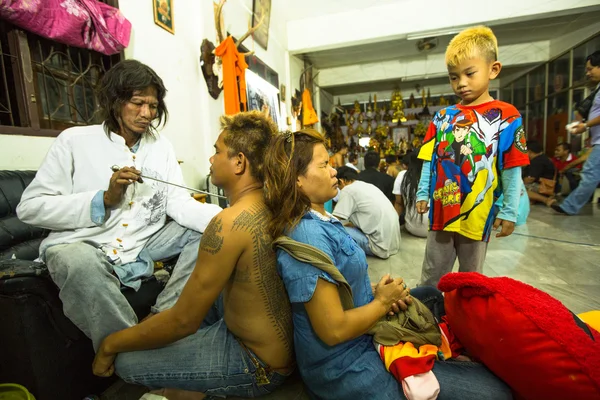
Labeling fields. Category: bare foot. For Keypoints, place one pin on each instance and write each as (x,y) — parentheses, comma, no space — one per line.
(176,394)
(550,201)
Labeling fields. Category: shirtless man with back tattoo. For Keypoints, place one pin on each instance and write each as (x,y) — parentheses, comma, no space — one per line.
(230,332)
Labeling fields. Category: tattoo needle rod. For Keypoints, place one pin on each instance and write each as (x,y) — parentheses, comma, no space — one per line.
(115,168)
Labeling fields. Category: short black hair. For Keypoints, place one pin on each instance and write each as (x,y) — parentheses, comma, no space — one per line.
(372,159)
(352,157)
(391,158)
(594,58)
(347,173)
(565,146)
(118,86)
(534,146)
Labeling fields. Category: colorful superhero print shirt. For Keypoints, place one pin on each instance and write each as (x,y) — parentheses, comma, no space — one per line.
(468,148)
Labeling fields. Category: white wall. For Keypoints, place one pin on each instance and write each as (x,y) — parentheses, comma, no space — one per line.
(23,152)
(194,116)
(193,121)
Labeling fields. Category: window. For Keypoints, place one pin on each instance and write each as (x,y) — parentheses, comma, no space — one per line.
(580,53)
(46,86)
(506,94)
(520,92)
(537,83)
(558,72)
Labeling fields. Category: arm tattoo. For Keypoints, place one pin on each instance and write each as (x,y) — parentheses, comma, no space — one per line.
(264,272)
(212,241)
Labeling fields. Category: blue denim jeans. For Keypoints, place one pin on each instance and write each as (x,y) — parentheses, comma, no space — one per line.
(432,298)
(360,238)
(91,293)
(460,380)
(210,361)
(590,177)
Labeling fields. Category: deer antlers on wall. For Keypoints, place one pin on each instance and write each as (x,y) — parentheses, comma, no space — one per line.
(221,37)
(212,66)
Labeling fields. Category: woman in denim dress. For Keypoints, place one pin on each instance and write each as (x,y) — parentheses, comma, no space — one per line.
(335,356)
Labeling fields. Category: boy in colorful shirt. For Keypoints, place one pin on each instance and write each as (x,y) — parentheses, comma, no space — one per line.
(472,152)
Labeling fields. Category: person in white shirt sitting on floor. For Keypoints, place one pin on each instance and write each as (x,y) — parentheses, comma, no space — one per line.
(372,220)
(405,190)
(108,228)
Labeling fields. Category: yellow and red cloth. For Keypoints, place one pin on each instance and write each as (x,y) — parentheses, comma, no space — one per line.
(412,366)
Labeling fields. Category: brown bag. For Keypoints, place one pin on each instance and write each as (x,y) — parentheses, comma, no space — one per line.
(547,186)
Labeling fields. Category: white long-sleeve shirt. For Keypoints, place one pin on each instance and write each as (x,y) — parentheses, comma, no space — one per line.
(78,165)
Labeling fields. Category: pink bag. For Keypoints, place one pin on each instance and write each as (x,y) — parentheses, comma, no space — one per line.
(80,23)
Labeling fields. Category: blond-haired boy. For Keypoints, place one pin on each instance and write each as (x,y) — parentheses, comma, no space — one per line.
(473,152)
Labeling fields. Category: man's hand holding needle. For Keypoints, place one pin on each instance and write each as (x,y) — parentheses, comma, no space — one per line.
(120,179)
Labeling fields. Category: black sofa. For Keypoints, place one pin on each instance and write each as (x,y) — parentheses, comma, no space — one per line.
(41,349)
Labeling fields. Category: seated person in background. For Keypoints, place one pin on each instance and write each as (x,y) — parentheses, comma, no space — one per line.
(372,175)
(353,162)
(374,223)
(108,228)
(337,159)
(335,355)
(240,345)
(562,158)
(540,167)
(393,167)
(405,190)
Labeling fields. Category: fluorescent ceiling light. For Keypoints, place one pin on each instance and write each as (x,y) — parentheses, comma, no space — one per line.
(431,34)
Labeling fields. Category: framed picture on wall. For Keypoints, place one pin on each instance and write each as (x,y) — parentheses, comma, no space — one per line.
(163,14)
(260,93)
(260,9)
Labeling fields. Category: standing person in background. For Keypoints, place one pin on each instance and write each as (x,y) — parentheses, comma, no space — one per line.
(590,174)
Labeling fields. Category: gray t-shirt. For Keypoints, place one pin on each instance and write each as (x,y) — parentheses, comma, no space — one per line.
(367,208)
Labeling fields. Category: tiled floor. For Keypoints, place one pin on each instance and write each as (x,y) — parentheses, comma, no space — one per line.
(555,253)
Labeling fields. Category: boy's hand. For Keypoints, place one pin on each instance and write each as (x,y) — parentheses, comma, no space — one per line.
(422,207)
(507,227)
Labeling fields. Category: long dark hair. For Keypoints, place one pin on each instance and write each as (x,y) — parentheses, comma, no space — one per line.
(118,86)
(410,182)
(286,159)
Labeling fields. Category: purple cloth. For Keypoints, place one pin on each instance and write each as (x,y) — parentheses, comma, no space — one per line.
(595,113)
(80,23)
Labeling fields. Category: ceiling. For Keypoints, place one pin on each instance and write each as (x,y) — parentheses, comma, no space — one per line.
(507,34)
(389,85)
(309,8)
(542,28)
